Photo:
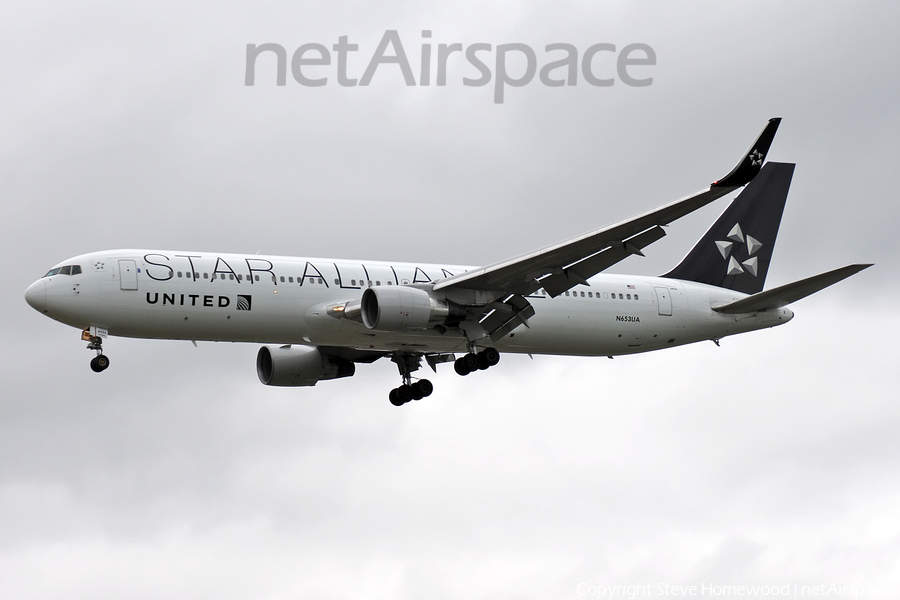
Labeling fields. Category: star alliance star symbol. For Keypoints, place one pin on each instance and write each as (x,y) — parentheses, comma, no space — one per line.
(756,158)
(99,266)
(736,236)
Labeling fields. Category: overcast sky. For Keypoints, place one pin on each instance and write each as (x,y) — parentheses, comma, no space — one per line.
(772,460)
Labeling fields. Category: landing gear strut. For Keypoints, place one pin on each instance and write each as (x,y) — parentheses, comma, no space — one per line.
(485,359)
(100,362)
(410,390)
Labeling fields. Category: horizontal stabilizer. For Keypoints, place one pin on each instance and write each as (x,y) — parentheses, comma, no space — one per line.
(786,294)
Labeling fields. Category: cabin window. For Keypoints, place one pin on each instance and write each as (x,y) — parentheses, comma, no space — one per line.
(389,282)
(582,294)
(590,294)
(628,296)
(567,293)
(282,279)
(179,274)
(256,277)
(377,283)
(635,296)
(406,282)
(321,281)
(76,269)
(240,277)
(196,276)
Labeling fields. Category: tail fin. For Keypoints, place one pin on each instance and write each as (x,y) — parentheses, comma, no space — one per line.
(736,251)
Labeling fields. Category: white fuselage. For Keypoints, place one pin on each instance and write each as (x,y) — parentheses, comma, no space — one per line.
(286,300)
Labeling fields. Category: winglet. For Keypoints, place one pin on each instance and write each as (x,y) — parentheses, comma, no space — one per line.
(747,169)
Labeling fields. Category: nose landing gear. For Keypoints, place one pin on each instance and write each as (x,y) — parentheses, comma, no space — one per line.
(100,362)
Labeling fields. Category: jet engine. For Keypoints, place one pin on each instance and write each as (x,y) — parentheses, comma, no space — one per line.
(405,309)
(299,366)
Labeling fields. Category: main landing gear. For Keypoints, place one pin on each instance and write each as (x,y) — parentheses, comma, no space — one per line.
(408,362)
(100,362)
(485,359)
(410,390)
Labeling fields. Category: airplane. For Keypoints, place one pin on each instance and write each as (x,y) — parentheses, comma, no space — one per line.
(317,318)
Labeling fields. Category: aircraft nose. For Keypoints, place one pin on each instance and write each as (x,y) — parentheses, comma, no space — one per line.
(36,295)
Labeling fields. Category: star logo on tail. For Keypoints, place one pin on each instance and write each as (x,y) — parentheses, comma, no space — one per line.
(727,250)
(756,158)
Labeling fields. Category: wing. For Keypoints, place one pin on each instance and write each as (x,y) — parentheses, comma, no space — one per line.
(560,267)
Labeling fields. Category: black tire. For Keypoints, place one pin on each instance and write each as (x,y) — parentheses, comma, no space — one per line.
(426,387)
(459,365)
(395,399)
(99,363)
(404,393)
(491,355)
(416,391)
(472,361)
(483,363)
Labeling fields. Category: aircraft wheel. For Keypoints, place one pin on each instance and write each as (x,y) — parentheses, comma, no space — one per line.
(404,393)
(395,398)
(491,356)
(459,365)
(99,363)
(425,387)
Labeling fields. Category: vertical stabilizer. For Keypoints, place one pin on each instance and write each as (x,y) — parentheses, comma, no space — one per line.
(736,251)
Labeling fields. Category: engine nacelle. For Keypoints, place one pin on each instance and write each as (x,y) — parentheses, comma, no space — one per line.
(399,308)
(299,366)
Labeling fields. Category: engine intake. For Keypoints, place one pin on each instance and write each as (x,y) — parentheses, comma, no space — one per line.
(405,309)
(299,366)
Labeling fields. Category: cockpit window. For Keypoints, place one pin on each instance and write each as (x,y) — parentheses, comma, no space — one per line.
(66,270)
